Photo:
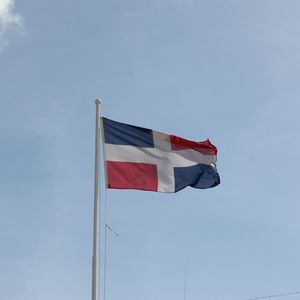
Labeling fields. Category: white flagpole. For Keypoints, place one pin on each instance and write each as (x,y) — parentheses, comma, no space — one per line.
(95,271)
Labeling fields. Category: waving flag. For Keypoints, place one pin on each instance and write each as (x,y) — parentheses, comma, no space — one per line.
(144,159)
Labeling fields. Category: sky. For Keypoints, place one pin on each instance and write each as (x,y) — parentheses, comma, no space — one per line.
(224,69)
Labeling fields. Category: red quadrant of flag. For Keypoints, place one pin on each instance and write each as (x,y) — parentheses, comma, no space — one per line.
(129,175)
(205,147)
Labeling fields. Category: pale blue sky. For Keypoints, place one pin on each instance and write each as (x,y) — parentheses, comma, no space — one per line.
(223,69)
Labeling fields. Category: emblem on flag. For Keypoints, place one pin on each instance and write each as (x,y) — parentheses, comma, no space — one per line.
(144,159)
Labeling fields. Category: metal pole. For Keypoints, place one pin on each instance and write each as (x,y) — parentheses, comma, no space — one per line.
(95,272)
(185,280)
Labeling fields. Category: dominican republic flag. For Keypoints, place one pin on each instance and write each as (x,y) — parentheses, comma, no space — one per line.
(144,159)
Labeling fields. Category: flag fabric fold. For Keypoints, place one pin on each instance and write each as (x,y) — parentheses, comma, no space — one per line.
(144,159)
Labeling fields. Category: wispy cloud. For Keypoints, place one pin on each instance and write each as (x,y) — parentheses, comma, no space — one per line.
(9,20)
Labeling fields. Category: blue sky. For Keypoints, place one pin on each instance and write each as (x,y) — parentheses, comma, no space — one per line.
(227,70)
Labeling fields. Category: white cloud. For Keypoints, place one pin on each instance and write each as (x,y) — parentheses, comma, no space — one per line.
(9,20)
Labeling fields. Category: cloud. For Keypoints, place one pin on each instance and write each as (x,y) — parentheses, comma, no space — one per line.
(9,20)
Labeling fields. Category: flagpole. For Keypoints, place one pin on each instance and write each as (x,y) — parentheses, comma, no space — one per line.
(95,271)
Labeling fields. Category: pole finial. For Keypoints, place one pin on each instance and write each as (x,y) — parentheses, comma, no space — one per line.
(98,101)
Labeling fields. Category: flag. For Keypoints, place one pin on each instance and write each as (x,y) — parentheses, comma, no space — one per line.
(144,159)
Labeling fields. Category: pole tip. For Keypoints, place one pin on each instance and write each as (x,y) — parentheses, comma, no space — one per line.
(98,101)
